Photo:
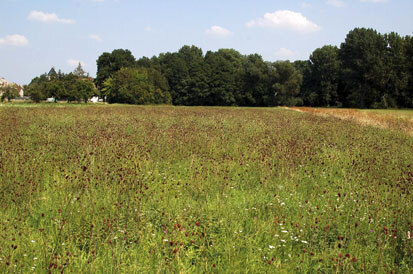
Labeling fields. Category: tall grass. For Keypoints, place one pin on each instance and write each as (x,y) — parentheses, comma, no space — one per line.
(176,189)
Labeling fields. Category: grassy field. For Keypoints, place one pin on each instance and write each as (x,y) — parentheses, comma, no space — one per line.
(395,120)
(174,189)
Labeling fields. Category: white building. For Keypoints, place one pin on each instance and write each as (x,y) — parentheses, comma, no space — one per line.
(94,99)
(4,82)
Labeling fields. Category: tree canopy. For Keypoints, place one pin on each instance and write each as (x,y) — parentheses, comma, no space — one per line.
(76,86)
(135,86)
(368,70)
(9,92)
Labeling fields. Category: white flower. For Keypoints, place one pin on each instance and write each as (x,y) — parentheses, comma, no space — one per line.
(271,246)
(33,241)
(304,242)
(284,231)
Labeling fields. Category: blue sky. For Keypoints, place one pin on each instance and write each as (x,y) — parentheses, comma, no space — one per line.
(36,35)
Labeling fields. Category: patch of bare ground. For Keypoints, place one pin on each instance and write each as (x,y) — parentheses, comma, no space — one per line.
(382,119)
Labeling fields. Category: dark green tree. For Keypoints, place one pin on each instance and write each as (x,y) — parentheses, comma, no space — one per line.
(307,87)
(9,92)
(363,70)
(397,73)
(85,88)
(286,84)
(407,94)
(52,74)
(71,92)
(256,88)
(55,89)
(109,63)
(224,76)
(134,86)
(325,67)
(176,71)
(196,84)
(37,89)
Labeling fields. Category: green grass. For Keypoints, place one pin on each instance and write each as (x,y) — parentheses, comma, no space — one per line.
(404,113)
(30,104)
(191,189)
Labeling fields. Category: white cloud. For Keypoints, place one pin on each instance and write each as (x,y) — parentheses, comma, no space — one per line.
(218,31)
(284,54)
(45,17)
(285,19)
(374,1)
(95,37)
(74,63)
(336,3)
(14,40)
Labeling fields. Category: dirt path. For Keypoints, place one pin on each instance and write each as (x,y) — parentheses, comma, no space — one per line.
(390,120)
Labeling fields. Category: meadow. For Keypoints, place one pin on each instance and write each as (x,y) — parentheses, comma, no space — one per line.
(133,189)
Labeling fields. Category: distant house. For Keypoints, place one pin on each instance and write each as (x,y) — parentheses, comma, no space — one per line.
(4,82)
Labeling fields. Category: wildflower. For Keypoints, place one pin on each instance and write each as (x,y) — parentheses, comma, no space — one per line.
(354,259)
(304,242)
(271,246)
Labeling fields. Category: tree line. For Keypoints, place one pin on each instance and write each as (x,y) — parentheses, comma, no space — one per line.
(368,70)
(188,77)
(74,86)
